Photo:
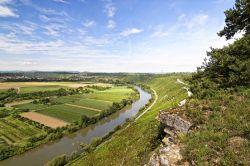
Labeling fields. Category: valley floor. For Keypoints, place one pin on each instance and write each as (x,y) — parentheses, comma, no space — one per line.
(133,145)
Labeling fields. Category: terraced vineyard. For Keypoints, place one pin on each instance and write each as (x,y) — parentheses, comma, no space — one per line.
(14,131)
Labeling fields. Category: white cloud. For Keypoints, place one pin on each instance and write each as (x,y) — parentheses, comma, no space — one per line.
(160,31)
(5,2)
(109,8)
(131,31)
(55,29)
(89,23)
(111,24)
(61,1)
(6,11)
(29,63)
(193,21)
(24,28)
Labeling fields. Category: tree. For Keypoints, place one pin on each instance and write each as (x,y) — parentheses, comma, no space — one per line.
(237,19)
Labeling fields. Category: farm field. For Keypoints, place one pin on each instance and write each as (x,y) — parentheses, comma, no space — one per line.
(31,106)
(72,107)
(14,131)
(68,113)
(93,103)
(40,88)
(27,87)
(43,119)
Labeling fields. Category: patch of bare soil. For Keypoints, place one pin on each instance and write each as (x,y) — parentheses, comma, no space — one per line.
(44,119)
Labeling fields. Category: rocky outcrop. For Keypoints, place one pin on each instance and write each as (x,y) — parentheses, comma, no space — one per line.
(167,155)
(174,122)
(169,151)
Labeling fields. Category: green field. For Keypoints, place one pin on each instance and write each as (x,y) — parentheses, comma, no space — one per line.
(71,108)
(31,106)
(132,146)
(68,99)
(14,131)
(100,100)
(67,113)
(3,90)
(39,88)
(92,103)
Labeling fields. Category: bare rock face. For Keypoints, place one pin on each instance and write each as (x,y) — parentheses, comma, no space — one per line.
(167,156)
(169,152)
(174,121)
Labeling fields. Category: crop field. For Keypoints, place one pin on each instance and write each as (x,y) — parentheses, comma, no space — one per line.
(31,106)
(13,130)
(43,85)
(43,119)
(92,103)
(67,99)
(72,107)
(40,88)
(68,113)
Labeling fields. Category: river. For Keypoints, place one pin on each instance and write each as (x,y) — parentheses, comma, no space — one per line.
(66,145)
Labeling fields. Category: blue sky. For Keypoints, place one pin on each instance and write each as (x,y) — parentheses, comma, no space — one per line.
(109,35)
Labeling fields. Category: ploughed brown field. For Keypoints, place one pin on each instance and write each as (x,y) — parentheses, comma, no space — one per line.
(44,119)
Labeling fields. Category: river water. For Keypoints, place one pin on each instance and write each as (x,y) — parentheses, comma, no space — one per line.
(66,145)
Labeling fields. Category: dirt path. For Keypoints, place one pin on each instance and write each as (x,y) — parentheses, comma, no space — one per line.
(93,109)
(156,98)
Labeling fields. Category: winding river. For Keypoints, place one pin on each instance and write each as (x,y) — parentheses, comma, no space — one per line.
(66,145)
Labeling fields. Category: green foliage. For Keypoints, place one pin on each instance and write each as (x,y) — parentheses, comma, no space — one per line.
(58,161)
(228,67)
(221,107)
(237,19)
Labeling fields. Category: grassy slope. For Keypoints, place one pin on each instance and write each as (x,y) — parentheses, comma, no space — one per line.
(133,145)
(222,137)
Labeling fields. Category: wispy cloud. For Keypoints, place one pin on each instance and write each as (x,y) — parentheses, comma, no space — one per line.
(160,31)
(109,8)
(194,21)
(61,1)
(131,31)
(184,23)
(89,23)
(24,28)
(55,29)
(6,11)
(111,24)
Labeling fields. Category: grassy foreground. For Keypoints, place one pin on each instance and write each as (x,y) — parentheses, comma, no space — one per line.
(132,145)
